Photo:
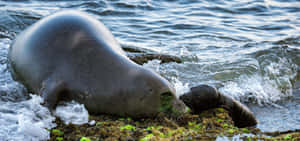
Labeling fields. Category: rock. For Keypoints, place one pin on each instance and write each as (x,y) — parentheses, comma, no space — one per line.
(141,58)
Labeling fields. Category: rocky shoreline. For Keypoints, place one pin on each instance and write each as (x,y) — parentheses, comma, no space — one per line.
(208,125)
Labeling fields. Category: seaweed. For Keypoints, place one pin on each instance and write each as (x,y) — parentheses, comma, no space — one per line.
(208,125)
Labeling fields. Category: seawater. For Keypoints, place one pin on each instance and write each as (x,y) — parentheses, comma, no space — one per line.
(248,49)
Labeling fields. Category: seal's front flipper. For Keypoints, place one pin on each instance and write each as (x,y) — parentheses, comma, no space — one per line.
(51,91)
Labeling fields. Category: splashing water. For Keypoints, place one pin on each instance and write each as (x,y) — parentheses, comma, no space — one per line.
(72,112)
(29,120)
(266,88)
(26,120)
(153,64)
(180,87)
(252,89)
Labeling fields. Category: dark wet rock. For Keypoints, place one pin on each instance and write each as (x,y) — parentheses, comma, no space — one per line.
(141,58)
(132,49)
(142,55)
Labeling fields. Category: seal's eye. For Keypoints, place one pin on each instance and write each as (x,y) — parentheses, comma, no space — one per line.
(151,90)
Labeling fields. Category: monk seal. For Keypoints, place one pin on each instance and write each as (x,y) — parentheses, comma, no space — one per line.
(71,56)
(204,97)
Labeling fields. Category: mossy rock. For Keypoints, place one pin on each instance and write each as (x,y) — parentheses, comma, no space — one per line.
(207,126)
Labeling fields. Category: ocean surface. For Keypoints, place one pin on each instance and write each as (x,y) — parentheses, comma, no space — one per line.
(248,49)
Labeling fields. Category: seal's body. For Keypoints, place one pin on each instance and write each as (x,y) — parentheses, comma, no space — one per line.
(71,56)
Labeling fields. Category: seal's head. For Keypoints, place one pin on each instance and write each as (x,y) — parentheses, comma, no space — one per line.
(154,93)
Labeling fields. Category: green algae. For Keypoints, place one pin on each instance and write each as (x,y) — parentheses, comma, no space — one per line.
(245,130)
(147,137)
(98,123)
(230,131)
(206,126)
(122,119)
(59,138)
(287,137)
(57,132)
(128,127)
(166,103)
(154,128)
(85,139)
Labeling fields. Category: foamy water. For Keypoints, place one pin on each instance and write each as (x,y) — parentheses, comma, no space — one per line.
(72,112)
(25,120)
(29,120)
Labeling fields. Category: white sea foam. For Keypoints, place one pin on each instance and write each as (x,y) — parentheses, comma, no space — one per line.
(252,89)
(26,120)
(238,137)
(180,87)
(153,64)
(29,120)
(72,112)
(266,87)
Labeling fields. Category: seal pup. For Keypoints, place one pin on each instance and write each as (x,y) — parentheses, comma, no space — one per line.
(204,97)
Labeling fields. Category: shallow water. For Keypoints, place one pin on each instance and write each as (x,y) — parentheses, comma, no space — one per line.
(248,49)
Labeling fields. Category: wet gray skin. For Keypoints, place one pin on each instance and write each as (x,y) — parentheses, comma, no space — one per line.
(72,56)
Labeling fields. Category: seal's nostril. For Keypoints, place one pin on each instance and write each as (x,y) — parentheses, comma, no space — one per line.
(151,90)
(166,94)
